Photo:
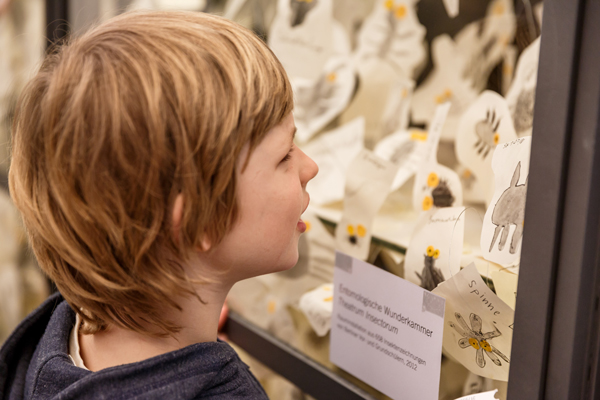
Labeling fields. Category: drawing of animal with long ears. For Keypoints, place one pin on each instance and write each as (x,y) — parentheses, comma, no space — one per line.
(510,210)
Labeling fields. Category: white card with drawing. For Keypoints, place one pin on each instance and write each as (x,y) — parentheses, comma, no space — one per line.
(436,247)
(505,217)
(333,152)
(302,36)
(393,33)
(478,326)
(386,331)
(368,182)
(318,102)
(436,185)
(486,123)
(405,149)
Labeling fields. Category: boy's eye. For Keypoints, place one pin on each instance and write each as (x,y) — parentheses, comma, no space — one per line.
(287,156)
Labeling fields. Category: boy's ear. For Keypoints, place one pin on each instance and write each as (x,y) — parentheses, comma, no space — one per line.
(177,216)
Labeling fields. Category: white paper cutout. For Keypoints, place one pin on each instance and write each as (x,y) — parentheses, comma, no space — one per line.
(481,396)
(351,14)
(477,325)
(486,124)
(538,11)
(319,101)
(368,183)
(445,83)
(317,305)
(483,43)
(521,95)
(396,113)
(320,250)
(504,219)
(505,284)
(436,185)
(452,7)
(436,247)
(393,33)
(405,149)
(333,152)
(302,36)
(508,67)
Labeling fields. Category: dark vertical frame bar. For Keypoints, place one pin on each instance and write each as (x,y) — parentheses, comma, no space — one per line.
(57,17)
(534,353)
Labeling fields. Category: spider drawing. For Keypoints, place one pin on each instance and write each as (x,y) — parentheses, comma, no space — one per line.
(299,10)
(523,115)
(442,195)
(430,276)
(487,137)
(474,337)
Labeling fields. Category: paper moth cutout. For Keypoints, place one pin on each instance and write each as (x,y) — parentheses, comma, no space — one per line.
(435,248)
(478,325)
(318,102)
(302,36)
(504,219)
(436,185)
(393,33)
(446,83)
(368,183)
(521,95)
(405,149)
(485,42)
(485,125)
(333,152)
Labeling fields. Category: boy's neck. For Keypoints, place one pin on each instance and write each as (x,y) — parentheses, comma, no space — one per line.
(198,322)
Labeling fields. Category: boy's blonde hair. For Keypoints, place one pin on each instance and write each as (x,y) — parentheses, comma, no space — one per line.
(112,128)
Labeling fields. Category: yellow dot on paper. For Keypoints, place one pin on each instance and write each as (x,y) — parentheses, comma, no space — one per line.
(400,11)
(473,342)
(430,250)
(427,203)
(404,93)
(361,230)
(467,173)
(330,298)
(350,230)
(498,9)
(271,306)
(507,69)
(420,136)
(485,345)
(331,77)
(496,138)
(327,288)
(436,253)
(433,180)
(308,225)
(388,4)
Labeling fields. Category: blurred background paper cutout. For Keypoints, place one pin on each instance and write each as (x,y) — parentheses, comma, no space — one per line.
(481,396)
(504,219)
(521,95)
(368,182)
(436,247)
(317,102)
(394,34)
(317,305)
(485,125)
(333,152)
(405,149)
(302,36)
(478,325)
(436,185)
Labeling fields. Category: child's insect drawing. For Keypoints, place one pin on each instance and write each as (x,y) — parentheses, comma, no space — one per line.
(523,115)
(487,135)
(314,101)
(510,210)
(299,10)
(441,195)
(355,233)
(474,337)
(430,276)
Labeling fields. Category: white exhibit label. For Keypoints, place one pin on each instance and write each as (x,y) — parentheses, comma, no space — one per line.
(386,331)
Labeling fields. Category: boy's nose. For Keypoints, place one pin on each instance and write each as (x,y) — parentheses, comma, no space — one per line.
(309,170)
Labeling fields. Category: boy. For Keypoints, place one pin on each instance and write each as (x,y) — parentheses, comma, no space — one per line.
(154,166)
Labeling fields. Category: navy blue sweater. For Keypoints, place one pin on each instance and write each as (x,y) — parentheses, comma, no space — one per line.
(35,364)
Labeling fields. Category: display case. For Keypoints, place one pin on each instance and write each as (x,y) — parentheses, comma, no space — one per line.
(556,340)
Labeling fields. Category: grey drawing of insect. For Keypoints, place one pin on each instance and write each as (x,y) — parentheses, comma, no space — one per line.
(430,276)
(299,10)
(487,137)
(523,114)
(510,210)
(442,195)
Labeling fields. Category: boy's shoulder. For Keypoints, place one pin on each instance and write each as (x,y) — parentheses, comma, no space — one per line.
(34,363)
